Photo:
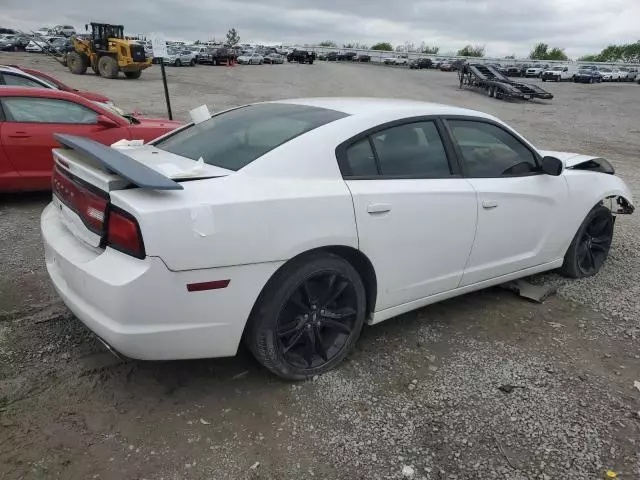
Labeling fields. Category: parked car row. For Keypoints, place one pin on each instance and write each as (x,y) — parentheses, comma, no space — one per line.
(344,57)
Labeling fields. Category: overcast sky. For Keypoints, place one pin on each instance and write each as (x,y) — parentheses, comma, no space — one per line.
(504,26)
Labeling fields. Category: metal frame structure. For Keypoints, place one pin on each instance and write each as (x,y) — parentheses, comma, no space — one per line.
(497,85)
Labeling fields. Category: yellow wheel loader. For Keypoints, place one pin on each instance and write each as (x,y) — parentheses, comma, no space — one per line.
(107,52)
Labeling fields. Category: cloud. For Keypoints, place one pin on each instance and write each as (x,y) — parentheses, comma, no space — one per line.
(503,26)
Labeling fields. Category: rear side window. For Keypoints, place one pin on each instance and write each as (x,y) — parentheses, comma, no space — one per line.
(236,138)
(19,81)
(414,149)
(411,150)
(46,110)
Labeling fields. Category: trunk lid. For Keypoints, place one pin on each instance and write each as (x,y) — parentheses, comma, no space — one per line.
(128,165)
(86,172)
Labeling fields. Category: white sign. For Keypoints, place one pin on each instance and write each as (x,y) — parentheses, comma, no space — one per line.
(159,45)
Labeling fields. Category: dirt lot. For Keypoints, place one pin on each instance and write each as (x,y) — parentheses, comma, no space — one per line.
(420,397)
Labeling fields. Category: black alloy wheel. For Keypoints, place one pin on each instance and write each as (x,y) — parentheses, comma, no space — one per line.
(309,316)
(317,320)
(591,244)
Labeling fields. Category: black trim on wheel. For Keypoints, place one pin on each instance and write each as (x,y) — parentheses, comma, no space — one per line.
(309,316)
(590,246)
(317,320)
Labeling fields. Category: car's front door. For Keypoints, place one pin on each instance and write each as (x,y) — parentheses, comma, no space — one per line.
(27,133)
(416,216)
(520,209)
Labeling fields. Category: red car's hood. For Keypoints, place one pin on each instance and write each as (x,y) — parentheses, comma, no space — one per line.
(94,97)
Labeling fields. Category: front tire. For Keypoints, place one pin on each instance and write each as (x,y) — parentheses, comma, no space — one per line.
(108,67)
(76,63)
(308,318)
(133,75)
(590,246)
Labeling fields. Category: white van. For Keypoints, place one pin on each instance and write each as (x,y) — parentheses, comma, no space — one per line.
(559,73)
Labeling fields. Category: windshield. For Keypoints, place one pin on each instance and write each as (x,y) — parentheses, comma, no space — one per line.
(234,139)
(557,69)
(584,70)
(605,69)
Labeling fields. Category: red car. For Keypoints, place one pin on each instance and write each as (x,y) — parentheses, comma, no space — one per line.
(48,79)
(30,116)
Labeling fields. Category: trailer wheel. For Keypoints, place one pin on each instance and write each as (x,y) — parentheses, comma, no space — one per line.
(108,67)
(76,63)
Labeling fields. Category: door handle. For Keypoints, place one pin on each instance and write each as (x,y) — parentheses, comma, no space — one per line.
(378,208)
(19,135)
(489,204)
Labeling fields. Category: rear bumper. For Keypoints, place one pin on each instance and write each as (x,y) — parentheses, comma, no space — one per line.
(142,309)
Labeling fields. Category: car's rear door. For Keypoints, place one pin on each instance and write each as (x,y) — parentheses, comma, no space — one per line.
(9,176)
(520,209)
(416,216)
(27,133)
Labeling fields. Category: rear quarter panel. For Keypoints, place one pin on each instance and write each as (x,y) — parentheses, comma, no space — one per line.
(237,220)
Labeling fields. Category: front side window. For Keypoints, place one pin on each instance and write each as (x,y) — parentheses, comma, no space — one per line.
(46,110)
(489,151)
(236,138)
(12,80)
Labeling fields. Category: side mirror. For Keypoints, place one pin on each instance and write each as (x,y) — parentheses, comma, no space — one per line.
(106,122)
(552,166)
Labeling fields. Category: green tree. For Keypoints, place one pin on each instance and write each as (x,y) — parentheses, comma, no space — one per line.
(429,49)
(384,46)
(556,54)
(541,52)
(328,43)
(629,53)
(233,38)
(471,51)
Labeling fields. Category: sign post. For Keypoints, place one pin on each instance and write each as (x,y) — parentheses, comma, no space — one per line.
(159,46)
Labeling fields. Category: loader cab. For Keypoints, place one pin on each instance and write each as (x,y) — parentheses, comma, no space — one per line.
(102,32)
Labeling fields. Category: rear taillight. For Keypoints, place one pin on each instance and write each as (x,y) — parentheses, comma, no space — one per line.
(123,233)
(89,204)
(116,228)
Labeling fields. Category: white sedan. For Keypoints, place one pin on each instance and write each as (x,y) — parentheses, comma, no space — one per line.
(290,224)
(251,59)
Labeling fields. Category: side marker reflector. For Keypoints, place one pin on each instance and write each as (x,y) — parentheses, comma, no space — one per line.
(215,285)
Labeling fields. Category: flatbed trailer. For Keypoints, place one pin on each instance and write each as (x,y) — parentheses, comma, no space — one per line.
(497,85)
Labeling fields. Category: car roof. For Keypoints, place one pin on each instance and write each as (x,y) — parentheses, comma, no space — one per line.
(372,106)
(39,92)
(22,73)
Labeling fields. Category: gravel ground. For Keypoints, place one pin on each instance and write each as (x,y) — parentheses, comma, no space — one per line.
(484,386)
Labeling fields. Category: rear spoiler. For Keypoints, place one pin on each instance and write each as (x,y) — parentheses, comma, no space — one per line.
(118,163)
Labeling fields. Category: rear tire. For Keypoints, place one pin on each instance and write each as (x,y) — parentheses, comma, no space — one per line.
(192,63)
(133,75)
(108,67)
(308,318)
(590,246)
(76,63)
(178,63)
